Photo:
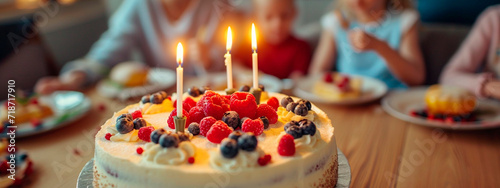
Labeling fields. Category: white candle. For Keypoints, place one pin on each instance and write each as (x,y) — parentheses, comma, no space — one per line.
(229,66)
(255,64)
(180,72)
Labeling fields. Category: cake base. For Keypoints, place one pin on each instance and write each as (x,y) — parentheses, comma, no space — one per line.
(87,176)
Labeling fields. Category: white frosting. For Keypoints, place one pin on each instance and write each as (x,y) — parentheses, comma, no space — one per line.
(286,116)
(154,153)
(243,160)
(129,137)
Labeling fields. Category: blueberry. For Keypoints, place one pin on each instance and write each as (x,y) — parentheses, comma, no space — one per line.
(145,98)
(265,121)
(245,88)
(182,137)
(124,125)
(291,106)
(308,104)
(262,88)
(156,98)
(243,120)
(163,94)
(139,122)
(194,128)
(235,135)
(155,135)
(301,109)
(291,123)
(457,118)
(169,140)
(285,101)
(232,119)
(247,142)
(229,148)
(308,127)
(295,131)
(422,113)
(204,89)
(126,116)
(194,91)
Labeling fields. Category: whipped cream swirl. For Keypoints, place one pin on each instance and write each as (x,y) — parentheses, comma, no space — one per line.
(154,153)
(243,160)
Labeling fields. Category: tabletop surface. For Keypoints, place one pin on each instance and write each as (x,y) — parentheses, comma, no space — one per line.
(383,151)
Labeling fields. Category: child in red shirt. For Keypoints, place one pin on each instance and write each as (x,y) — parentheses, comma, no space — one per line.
(280,53)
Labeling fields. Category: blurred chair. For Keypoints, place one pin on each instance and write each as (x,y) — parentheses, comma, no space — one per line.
(27,59)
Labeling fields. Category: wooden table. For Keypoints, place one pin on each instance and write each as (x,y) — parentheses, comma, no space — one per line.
(383,151)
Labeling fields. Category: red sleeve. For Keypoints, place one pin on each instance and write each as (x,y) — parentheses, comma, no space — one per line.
(302,57)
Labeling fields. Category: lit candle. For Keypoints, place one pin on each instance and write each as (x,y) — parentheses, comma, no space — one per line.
(227,56)
(179,80)
(255,64)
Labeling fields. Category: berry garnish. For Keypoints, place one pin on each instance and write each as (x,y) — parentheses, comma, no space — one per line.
(194,128)
(145,98)
(328,78)
(156,98)
(244,104)
(170,120)
(191,160)
(124,125)
(232,119)
(204,89)
(291,106)
(108,136)
(145,133)
(301,109)
(264,160)
(34,101)
(218,132)
(229,148)
(273,102)
(36,122)
(286,146)
(194,91)
(139,123)
(196,114)
(245,88)
(205,125)
(235,135)
(182,136)
(254,126)
(155,135)
(139,150)
(265,121)
(308,127)
(213,109)
(285,101)
(136,114)
(169,140)
(295,131)
(267,111)
(163,94)
(308,104)
(127,115)
(262,87)
(248,142)
(187,103)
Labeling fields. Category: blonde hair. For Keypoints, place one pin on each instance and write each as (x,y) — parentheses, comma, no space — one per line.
(391,5)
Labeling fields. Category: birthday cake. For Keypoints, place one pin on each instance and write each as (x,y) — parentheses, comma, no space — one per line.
(228,141)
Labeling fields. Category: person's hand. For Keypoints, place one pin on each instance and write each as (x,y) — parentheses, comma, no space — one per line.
(72,81)
(492,89)
(362,41)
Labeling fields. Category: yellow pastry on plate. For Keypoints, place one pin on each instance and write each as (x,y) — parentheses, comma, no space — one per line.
(130,74)
(449,100)
(338,86)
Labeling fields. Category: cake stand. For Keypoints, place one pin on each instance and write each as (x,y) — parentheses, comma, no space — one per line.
(86,176)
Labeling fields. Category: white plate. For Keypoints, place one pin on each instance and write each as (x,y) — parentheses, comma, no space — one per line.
(400,103)
(158,78)
(216,80)
(372,89)
(68,106)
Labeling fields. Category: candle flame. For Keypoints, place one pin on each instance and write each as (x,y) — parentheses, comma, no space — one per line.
(180,52)
(229,41)
(254,38)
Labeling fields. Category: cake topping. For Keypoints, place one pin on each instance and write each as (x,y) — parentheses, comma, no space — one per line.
(255,126)
(291,106)
(285,101)
(157,154)
(187,103)
(244,104)
(247,142)
(136,114)
(124,124)
(108,136)
(155,135)
(308,104)
(245,88)
(194,91)
(229,148)
(264,160)
(194,128)
(205,125)
(265,121)
(139,150)
(328,78)
(196,114)
(169,140)
(308,127)
(294,130)
(235,135)
(218,132)
(139,123)
(273,102)
(145,98)
(213,104)
(262,88)
(145,133)
(156,98)
(267,111)
(232,119)
(301,109)
(170,120)
(286,146)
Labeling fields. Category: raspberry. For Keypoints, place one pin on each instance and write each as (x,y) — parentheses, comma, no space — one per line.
(226,107)
(196,114)
(227,98)
(328,78)
(205,124)
(244,104)
(36,123)
(108,136)
(214,110)
(286,147)
(264,160)
(170,120)
(145,133)
(187,103)
(254,126)
(273,102)
(208,94)
(139,150)
(191,160)
(267,110)
(218,132)
(213,104)
(136,114)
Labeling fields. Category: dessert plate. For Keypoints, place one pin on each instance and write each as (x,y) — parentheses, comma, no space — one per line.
(86,176)
(218,81)
(158,78)
(68,106)
(372,89)
(400,103)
